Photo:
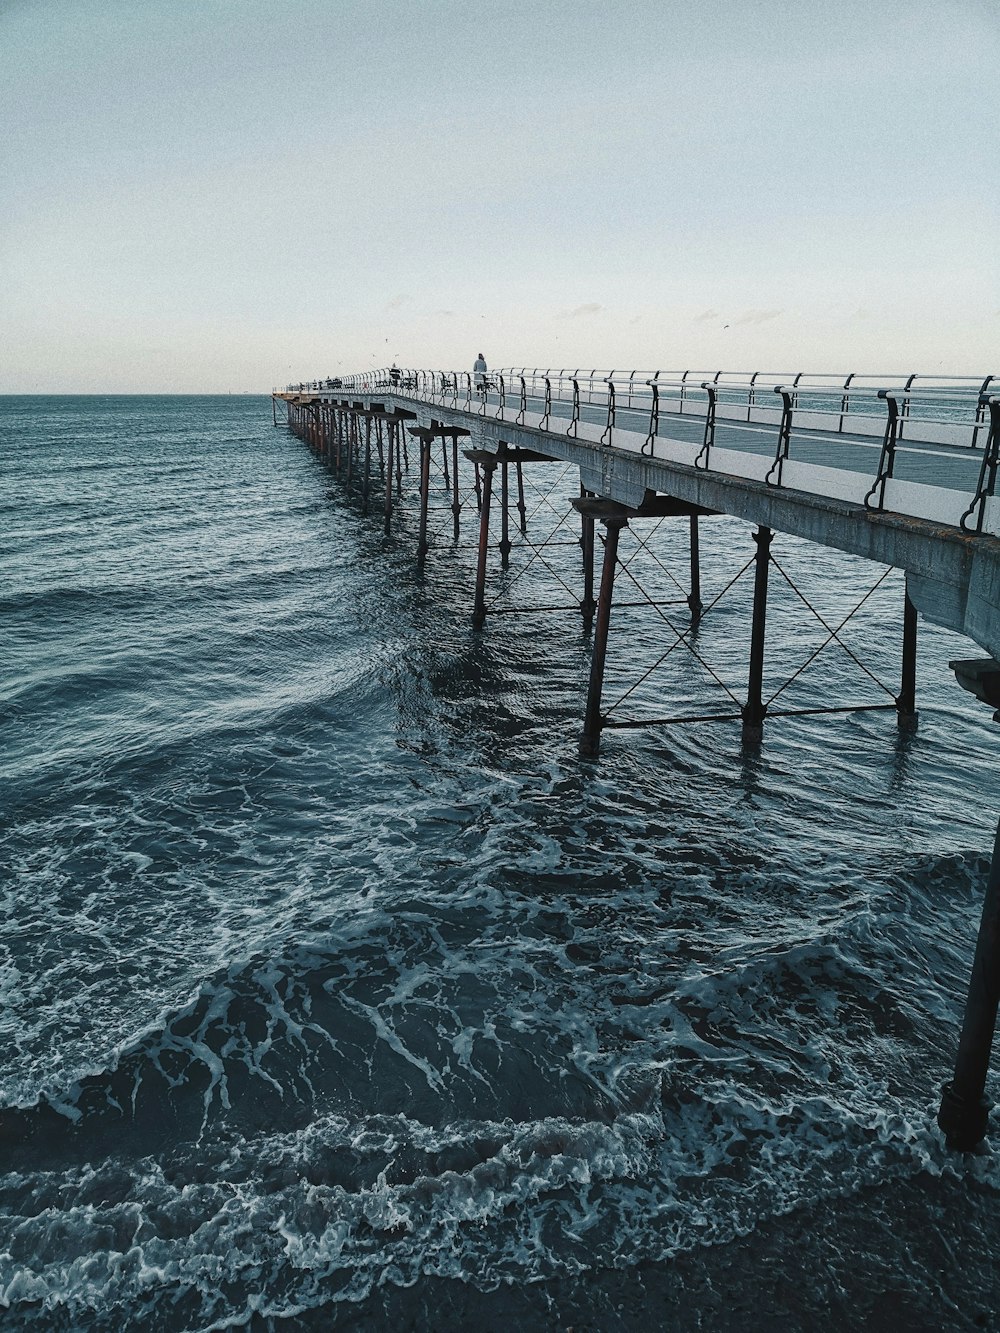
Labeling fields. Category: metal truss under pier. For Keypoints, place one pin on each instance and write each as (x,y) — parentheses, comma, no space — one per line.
(907,483)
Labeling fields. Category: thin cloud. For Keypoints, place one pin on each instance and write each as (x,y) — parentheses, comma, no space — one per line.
(706,314)
(591,308)
(396,302)
(757,316)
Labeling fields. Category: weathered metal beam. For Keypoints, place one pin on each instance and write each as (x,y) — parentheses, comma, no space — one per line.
(652,506)
(981,677)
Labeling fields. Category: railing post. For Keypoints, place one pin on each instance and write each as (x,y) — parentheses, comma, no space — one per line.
(987,484)
(887,458)
(773,477)
(708,439)
(607,435)
(981,408)
(547,412)
(845,402)
(654,416)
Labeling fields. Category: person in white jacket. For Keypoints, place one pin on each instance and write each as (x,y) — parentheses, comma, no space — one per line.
(479,370)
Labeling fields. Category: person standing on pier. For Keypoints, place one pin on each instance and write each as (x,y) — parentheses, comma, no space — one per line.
(479,370)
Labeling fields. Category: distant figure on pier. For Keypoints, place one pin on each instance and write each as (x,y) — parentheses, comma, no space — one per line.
(394,375)
(479,370)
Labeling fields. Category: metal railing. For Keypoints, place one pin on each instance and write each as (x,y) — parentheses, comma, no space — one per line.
(932,415)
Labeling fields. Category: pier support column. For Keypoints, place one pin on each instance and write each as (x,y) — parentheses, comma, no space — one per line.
(590,741)
(352,424)
(479,611)
(274,409)
(522,508)
(694,600)
(456,504)
(755,709)
(906,699)
(964,1113)
(366,482)
(390,449)
(587,606)
(380,445)
(505,543)
(426,438)
(444,463)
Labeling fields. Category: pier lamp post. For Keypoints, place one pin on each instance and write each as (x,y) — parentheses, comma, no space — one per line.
(964,1113)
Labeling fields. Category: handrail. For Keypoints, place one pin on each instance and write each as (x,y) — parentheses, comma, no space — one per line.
(933,415)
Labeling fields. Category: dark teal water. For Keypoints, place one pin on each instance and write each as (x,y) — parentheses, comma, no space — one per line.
(338,992)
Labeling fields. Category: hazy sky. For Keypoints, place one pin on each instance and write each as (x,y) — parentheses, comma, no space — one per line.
(214,195)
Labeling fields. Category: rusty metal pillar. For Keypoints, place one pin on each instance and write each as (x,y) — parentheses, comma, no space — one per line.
(505,543)
(390,449)
(590,741)
(380,445)
(587,606)
(479,488)
(479,612)
(964,1113)
(426,439)
(456,504)
(755,709)
(694,599)
(366,481)
(352,426)
(906,699)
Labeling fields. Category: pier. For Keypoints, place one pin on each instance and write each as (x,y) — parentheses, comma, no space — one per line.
(900,470)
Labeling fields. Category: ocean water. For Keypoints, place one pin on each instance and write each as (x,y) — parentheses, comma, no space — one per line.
(338,992)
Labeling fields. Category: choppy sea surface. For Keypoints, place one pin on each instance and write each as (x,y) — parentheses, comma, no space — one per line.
(339,992)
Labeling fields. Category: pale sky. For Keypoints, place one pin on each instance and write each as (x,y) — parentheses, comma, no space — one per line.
(225,195)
